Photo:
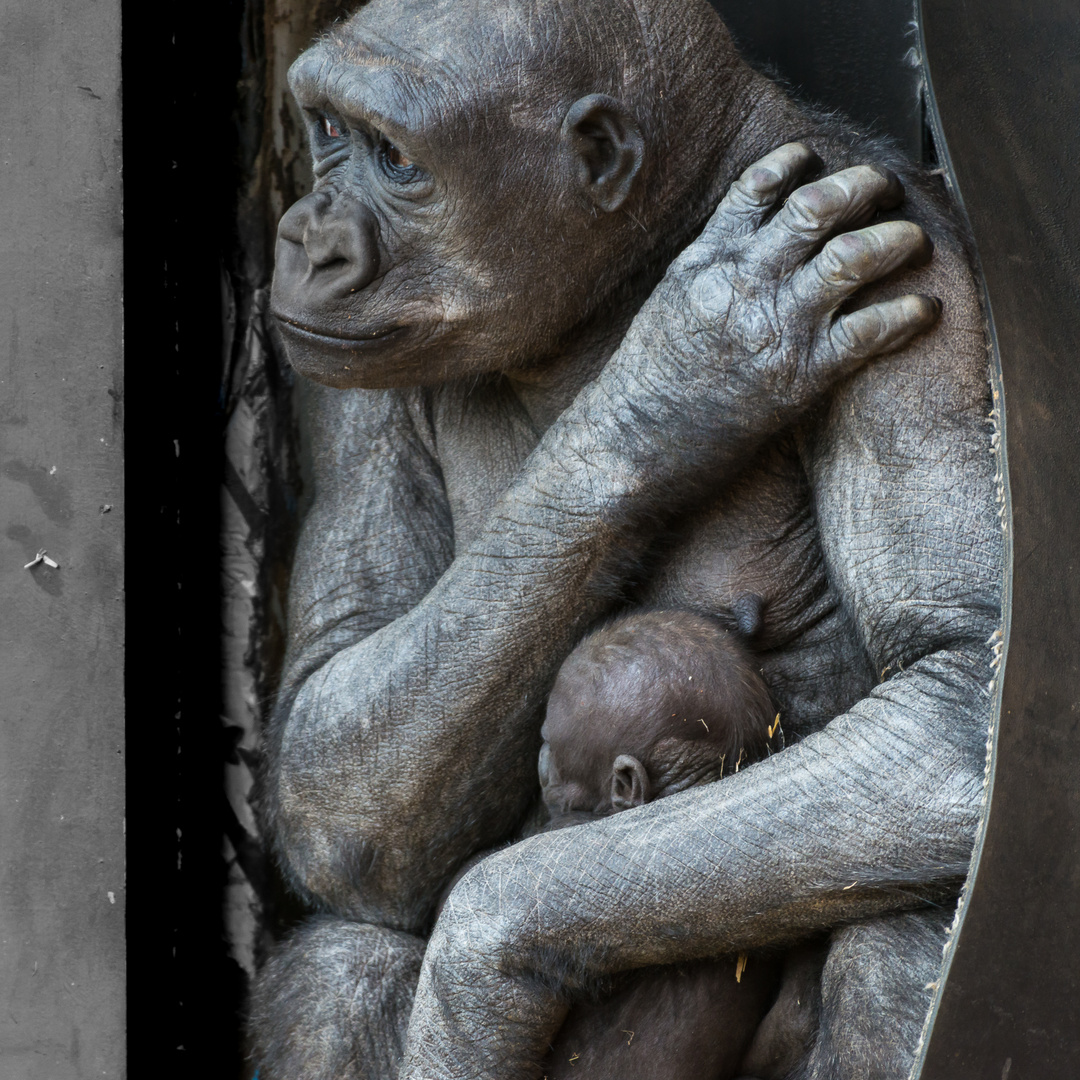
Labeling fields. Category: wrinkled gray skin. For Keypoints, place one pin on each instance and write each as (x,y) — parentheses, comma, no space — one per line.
(575,419)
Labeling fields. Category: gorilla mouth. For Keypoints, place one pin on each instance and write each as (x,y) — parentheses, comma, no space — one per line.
(342,341)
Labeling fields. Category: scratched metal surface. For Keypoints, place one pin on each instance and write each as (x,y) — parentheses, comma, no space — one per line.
(62,899)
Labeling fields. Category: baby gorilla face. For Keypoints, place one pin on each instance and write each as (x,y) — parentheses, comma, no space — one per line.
(564,792)
(650,704)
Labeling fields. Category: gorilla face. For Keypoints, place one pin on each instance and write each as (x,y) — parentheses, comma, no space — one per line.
(460,222)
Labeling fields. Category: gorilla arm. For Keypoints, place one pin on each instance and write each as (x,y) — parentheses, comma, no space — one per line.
(387,743)
(874,813)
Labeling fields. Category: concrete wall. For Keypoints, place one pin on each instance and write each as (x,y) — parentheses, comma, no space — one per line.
(61,488)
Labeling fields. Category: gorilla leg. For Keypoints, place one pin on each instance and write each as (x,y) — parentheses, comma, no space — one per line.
(333,1001)
(784,1038)
(874,997)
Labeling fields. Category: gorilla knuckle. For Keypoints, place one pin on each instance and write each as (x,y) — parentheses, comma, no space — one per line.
(782,165)
(699,256)
(906,236)
(846,259)
(709,297)
(737,211)
(809,208)
(761,331)
(792,155)
(758,184)
(918,311)
(868,179)
(855,334)
(813,207)
(845,338)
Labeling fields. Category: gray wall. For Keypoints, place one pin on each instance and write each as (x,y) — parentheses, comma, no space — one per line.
(61,630)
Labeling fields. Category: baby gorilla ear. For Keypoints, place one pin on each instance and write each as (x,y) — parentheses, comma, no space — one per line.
(630,785)
(608,149)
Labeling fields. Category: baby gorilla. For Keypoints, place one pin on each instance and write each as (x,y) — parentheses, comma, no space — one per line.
(651,704)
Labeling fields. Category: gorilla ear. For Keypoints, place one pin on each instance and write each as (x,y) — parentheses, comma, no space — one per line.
(608,148)
(630,785)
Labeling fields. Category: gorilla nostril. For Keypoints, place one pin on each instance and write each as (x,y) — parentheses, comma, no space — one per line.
(331,263)
(339,240)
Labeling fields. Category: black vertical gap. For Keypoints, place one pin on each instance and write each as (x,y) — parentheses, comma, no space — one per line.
(181,64)
(929,155)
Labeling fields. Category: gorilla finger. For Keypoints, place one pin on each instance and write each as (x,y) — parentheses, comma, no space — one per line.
(852,260)
(815,211)
(880,328)
(760,188)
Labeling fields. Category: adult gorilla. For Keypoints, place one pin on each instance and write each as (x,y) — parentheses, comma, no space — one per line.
(558,416)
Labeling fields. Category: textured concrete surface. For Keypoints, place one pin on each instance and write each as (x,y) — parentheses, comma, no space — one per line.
(61,488)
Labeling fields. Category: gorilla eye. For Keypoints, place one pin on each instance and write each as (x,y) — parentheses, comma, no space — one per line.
(330,129)
(395,164)
(397,158)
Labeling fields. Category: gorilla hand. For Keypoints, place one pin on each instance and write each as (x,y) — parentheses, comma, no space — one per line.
(745,331)
(712,871)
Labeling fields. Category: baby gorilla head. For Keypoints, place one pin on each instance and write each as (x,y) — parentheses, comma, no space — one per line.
(648,705)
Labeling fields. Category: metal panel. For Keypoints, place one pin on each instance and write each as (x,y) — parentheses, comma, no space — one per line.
(1005,77)
(850,55)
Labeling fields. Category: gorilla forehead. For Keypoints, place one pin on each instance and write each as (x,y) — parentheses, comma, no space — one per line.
(460,37)
(416,63)
(388,89)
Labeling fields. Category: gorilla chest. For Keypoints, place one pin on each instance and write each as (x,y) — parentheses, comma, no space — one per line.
(756,535)
(759,536)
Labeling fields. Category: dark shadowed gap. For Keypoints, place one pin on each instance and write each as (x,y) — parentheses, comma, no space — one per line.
(181,64)
(850,55)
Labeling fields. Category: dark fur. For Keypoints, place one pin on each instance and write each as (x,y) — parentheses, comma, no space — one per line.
(669,1023)
(567,420)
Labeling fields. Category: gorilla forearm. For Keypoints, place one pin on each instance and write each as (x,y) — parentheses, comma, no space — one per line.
(790,846)
(874,813)
(368,784)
